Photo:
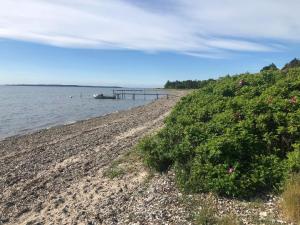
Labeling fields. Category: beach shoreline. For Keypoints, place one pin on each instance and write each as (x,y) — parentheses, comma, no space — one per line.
(61,125)
(89,173)
(36,167)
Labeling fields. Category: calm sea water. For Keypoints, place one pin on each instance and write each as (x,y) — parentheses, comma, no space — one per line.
(24,109)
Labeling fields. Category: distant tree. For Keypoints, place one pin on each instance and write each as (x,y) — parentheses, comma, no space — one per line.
(187,84)
(292,64)
(269,67)
(168,84)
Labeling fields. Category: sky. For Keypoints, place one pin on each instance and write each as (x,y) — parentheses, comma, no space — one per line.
(142,43)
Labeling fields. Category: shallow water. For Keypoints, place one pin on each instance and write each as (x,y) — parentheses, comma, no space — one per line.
(24,109)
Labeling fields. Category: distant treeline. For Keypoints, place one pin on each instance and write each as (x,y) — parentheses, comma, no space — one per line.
(187,84)
(194,84)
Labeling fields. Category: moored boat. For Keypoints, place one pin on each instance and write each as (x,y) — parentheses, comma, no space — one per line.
(101,96)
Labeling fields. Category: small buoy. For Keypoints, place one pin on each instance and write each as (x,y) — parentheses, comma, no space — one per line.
(70,96)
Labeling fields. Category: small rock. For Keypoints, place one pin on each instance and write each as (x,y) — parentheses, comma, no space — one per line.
(4,220)
(9,204)
(38,207)
(58,201)
(65,210)
(263,214)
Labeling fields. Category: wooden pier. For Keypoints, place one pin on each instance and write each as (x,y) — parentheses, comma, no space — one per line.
(122,93)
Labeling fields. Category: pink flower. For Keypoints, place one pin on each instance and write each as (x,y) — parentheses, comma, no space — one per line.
(230,170)
(293,100)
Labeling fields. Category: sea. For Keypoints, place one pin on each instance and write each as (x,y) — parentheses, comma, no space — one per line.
(25,109)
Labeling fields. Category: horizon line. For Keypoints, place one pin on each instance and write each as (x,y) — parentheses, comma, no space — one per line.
(71,85)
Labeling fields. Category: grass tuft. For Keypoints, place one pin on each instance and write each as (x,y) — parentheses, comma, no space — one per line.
(114,171)
(291,199)
(208,216)
(229,220)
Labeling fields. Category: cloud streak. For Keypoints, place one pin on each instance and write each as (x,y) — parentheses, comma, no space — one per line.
(196,27)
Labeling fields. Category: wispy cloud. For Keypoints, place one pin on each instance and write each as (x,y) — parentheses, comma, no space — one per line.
(194,27)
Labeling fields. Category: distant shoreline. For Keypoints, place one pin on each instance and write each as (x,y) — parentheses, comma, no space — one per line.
(60,85)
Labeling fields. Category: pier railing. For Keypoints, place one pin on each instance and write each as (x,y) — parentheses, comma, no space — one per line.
(123,93)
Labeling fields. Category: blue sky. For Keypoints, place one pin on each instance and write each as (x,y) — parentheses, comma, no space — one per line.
(142,43)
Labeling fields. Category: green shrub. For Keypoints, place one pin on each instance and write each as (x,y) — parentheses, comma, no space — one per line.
(293,160)
(154,154)
(237,136)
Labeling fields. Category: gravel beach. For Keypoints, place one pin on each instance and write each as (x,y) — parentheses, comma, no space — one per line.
(37,169)
(89,173)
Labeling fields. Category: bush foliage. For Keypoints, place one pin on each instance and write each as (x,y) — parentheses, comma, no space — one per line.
(237,136)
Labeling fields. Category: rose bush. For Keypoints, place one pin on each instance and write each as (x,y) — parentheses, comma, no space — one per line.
(237,136)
